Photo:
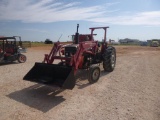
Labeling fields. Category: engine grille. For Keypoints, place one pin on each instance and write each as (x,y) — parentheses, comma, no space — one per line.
(71,50)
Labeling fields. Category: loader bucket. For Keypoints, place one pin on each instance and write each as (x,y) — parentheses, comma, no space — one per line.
(52,74)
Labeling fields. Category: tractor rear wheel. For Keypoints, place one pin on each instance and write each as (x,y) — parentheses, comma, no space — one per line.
(94,74)
(109,59)
(22,58)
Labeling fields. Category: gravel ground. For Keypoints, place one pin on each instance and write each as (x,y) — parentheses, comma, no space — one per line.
(130,92)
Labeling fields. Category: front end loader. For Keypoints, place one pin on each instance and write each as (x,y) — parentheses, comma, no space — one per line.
(84,53)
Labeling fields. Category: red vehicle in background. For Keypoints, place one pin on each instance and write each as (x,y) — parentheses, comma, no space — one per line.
(11,51)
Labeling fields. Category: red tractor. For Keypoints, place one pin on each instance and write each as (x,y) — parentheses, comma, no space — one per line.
(83,53)
(10,51)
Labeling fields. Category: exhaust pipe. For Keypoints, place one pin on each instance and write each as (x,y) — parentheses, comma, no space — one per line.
(77,36)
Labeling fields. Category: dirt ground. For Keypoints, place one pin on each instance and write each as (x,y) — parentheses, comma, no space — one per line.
(130,92)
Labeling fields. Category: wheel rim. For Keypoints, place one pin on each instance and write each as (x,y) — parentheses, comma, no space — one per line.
(22,58)
(95,74)
(113,59)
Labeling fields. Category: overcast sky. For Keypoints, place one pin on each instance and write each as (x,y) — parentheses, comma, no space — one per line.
(37,20)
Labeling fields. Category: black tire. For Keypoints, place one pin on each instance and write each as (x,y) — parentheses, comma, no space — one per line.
(94,74)
(22,58)
(109,59)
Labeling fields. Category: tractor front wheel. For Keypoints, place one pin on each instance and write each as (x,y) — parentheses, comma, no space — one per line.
(109,59)
(94,74)
(22,58)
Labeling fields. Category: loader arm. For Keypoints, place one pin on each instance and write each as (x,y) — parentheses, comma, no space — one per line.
(49,58)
